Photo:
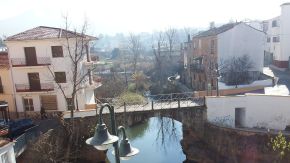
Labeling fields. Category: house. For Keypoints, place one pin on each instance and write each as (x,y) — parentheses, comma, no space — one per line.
(6,84)
(211,48)
(40,63)
(277,49)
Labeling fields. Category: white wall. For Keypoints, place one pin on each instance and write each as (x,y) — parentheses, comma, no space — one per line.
(285,32)
(261,110)
(267,82)
(241,40)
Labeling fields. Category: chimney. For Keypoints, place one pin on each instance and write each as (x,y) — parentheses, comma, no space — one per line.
(211,25)
(188,38)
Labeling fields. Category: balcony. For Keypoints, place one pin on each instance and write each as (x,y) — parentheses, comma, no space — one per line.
(1,89)
(44,87)
(197,67)
(21,62)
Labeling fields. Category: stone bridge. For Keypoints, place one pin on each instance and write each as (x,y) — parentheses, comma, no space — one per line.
(183,107)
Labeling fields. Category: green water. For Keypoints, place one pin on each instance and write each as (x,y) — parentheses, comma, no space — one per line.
(158,140)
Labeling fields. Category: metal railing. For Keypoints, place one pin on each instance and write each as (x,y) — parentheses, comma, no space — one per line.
(41,61)
(160,101)
(27,88)
(23,140)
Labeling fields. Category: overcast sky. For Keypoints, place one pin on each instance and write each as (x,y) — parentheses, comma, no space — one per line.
(113,16)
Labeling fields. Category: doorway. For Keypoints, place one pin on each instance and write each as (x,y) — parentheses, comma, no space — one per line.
(240,117)
(34,81)
(30,56)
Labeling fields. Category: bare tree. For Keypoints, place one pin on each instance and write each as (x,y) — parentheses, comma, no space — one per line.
(135,47)
(76,44)
(171,39)
(236,70)
(160,39)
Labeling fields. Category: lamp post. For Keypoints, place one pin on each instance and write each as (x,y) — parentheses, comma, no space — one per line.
(102,139)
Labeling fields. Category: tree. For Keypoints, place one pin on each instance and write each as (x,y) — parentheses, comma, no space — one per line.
(236,70)
(171,39)
(140,81)
(135,47)
(76,44)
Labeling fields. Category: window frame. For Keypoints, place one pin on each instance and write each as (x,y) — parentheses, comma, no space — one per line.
(54,52)
(59,79)
(29,106)
(276,39)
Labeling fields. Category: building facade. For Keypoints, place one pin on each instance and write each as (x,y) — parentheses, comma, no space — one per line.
(209,49)
(41,63)
(6,84)
(278,38)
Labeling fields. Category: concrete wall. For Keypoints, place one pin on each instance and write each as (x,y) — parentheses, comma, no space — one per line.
(242,40)
(267,82)
(224,92)
(265,111)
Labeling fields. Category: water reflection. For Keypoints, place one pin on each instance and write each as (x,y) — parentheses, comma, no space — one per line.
(158,140)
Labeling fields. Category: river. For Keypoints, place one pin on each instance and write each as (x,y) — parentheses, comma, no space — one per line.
(158,140)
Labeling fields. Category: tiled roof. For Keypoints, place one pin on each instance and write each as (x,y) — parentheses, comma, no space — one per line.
(43,32)
(215,31)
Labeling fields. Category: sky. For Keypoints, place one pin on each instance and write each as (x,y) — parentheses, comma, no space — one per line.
(123,16)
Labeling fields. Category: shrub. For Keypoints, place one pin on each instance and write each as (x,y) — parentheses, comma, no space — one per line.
(131,98)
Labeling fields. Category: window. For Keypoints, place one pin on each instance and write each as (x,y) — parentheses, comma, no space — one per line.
(60,77)
(199,44)
(69,103)
(268,39)
(276,39)
(56,51)
(274,23)
(28,104)
(265,26)
(212,47)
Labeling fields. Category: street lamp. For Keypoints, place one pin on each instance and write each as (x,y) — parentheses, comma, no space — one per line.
(102,139)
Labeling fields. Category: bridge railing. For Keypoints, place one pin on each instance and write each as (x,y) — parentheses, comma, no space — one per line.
(160,101)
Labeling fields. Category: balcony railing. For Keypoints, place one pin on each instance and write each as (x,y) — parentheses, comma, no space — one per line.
(1,89)
(26,87)
(20,62)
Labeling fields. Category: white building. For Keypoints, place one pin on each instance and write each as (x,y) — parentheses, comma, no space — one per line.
(278,37)
(40,54)
(242,39)
(250,110)
(218,45)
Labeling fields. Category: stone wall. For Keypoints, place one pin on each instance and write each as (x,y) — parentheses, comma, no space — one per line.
(218,144)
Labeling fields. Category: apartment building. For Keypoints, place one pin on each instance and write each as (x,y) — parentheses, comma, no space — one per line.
(210,48)
(6,84)
(277,49)
(40,62)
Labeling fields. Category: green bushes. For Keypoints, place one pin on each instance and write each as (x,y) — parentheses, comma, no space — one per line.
(131,98)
